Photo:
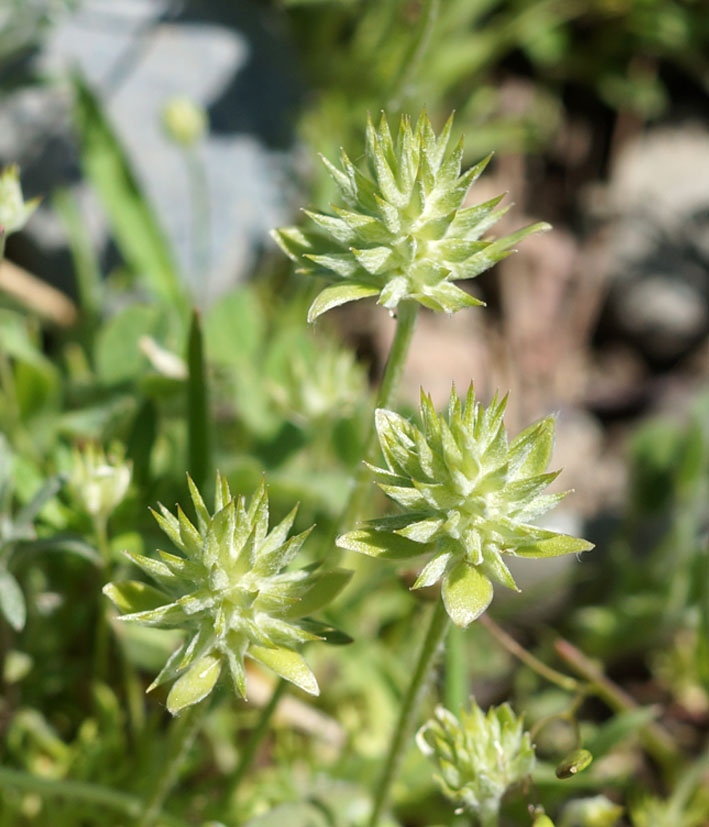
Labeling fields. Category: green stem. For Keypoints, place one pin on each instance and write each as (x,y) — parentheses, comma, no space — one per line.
(656,740)
(200,223)
(184,732)
(455,687)
(405,325)
(101,633)
(104,797)
(564,681)
(257,734)
(409,707)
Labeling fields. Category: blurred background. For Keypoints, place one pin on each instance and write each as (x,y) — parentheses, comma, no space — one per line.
(596,110)
(166,138)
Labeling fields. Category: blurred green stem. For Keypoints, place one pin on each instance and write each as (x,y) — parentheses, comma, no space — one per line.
(455,688)
(405,325)
(656,740)
(563,681)
(409,707)
(414,54)
(184,730)
(250,749)
(200,223)
(101,635)
(91,794)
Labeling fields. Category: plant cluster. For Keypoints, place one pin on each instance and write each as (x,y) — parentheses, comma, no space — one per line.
(135,397)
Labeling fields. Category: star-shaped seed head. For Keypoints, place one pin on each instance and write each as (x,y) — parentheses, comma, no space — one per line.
(401,232)
(468,497)
(231,591)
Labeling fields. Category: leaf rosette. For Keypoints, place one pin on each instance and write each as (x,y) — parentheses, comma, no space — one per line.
(468,497)
(403,233)
(232,591)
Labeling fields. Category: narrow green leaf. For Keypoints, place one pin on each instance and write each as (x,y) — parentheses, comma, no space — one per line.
(139,447)
(555,546)
(327,633)
(323,592)
(380,544)
(339,294)
(67,544)
(155,568)
(87,270)
(29,513)
(133,222)
(433,571)
(195,684)
(289,665)
(134,596)
(199,425)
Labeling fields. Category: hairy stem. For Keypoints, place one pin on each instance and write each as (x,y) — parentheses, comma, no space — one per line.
(185,729)
(250,749)
(405,326)
(409,707)
(564,681)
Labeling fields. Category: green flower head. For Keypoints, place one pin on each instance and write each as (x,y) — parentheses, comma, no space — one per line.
(229,589)
(97,482)
(469,496)
(403,233)
(477,757)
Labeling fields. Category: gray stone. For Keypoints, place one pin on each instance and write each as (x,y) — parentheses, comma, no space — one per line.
(656,212)
(137,54)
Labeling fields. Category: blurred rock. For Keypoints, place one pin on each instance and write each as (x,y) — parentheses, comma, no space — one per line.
(136,55)
(656,209)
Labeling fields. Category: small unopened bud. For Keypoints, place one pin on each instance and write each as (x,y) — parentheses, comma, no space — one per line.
(99,483)
(14,210)
(184,121)
(594,812)
(574,763)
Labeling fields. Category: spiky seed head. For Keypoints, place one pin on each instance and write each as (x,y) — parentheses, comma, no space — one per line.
(477,756)
(231,590)
(468,497)
(401,232)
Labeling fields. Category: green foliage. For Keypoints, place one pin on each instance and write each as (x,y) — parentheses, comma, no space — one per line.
(251,388)
(468,498)
(403,233)
(133,223)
